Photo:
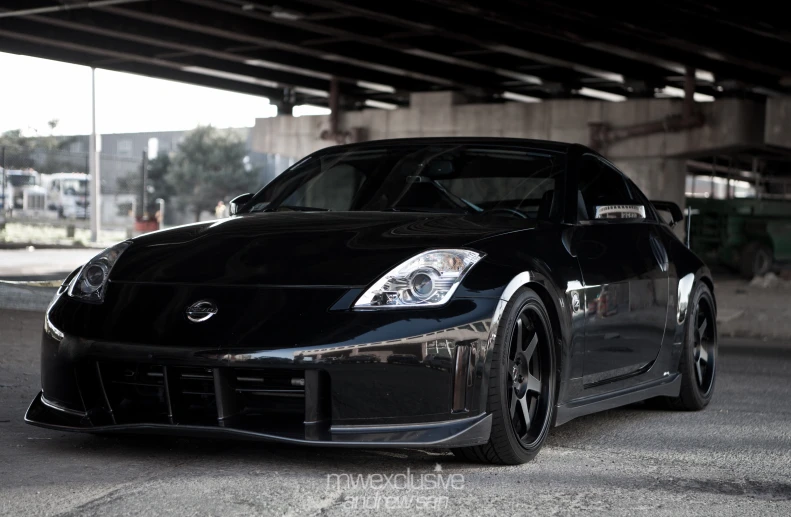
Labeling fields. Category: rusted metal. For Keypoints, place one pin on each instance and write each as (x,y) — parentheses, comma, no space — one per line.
(689,92)
(334,132)
(602,134)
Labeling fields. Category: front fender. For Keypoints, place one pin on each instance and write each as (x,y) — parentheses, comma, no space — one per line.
(553,274)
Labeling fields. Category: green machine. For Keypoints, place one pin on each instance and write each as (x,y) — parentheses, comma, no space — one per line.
(744,234)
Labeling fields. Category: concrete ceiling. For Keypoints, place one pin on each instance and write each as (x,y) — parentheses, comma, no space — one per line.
(522,50)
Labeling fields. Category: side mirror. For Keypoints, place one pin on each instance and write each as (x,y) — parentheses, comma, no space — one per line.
(673,209)
(238,202)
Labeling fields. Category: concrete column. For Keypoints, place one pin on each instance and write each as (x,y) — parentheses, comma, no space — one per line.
(778,121)
(660,179)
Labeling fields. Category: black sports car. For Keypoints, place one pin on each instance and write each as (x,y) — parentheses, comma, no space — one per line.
(531,281)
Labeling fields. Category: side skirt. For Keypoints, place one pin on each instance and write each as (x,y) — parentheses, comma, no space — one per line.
(669,386)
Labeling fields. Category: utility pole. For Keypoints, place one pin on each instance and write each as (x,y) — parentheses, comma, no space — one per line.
(144,208)
(2,186)
(161,220)
(93,167)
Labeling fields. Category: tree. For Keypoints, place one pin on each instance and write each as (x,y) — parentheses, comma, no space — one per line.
(18,149)
(42,153)
(158,169)
(208,166)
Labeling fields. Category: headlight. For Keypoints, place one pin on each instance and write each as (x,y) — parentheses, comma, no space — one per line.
(428,279)
(90,283)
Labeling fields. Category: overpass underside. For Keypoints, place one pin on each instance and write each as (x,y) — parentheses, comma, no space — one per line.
(518,68)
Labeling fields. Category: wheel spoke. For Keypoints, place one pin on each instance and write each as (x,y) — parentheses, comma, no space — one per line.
(519,334)
(699,372)
(702,327)
(526,372)
(533,384)
(525,413)
(704,355)
(513,403)
(531,347)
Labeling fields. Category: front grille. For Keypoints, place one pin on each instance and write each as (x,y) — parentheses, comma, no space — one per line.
(270,391)
(135,392)
(192,394)
(35,201)
(262,400)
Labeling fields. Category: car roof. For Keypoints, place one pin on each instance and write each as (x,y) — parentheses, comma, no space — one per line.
(547,145)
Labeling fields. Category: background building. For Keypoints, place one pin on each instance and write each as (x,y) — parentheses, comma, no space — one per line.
(121,161)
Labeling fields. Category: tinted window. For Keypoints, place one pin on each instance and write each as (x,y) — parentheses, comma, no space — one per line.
(21,180)
(601,185)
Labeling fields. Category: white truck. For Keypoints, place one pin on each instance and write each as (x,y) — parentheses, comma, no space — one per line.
(67,194)
(22,194)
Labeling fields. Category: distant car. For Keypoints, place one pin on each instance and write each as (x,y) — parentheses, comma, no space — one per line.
(492,247)
(404,359)
(331,359)
(439,362)
(361,359)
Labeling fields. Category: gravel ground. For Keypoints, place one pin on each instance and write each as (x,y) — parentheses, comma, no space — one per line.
(734,458)
(754,312)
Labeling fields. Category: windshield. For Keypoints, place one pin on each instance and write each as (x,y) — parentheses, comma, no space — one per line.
(466,178)
(75,187)
(21,180)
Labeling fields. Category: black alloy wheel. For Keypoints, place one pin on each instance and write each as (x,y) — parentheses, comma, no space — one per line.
(522,384)
(704,347)
(527,398)
(698,362)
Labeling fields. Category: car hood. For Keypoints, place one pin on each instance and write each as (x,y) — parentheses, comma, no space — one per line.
(349,249)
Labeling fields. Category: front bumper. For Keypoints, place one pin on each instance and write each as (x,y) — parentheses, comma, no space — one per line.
(455,433)
(425,390)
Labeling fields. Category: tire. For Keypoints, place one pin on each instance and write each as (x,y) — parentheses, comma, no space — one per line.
(523,377)
(698,376)
(756,260)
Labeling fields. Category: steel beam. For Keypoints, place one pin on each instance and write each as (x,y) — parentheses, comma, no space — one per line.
(101,24)
(71,55)
(166,16)
(63,7)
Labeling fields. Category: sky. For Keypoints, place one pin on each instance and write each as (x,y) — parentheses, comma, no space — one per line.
(34,91)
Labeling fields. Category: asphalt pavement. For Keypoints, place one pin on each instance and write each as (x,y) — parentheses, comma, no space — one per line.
(734,458)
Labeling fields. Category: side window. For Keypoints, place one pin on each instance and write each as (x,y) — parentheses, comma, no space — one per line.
(600,187)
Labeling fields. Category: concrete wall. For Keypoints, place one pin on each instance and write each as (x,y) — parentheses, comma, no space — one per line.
(778,121)
(654,162)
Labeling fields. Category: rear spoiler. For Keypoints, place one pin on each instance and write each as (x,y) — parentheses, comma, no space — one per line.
(676,214)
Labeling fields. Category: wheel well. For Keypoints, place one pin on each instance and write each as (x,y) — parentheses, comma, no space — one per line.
(710,284)
(554,320)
